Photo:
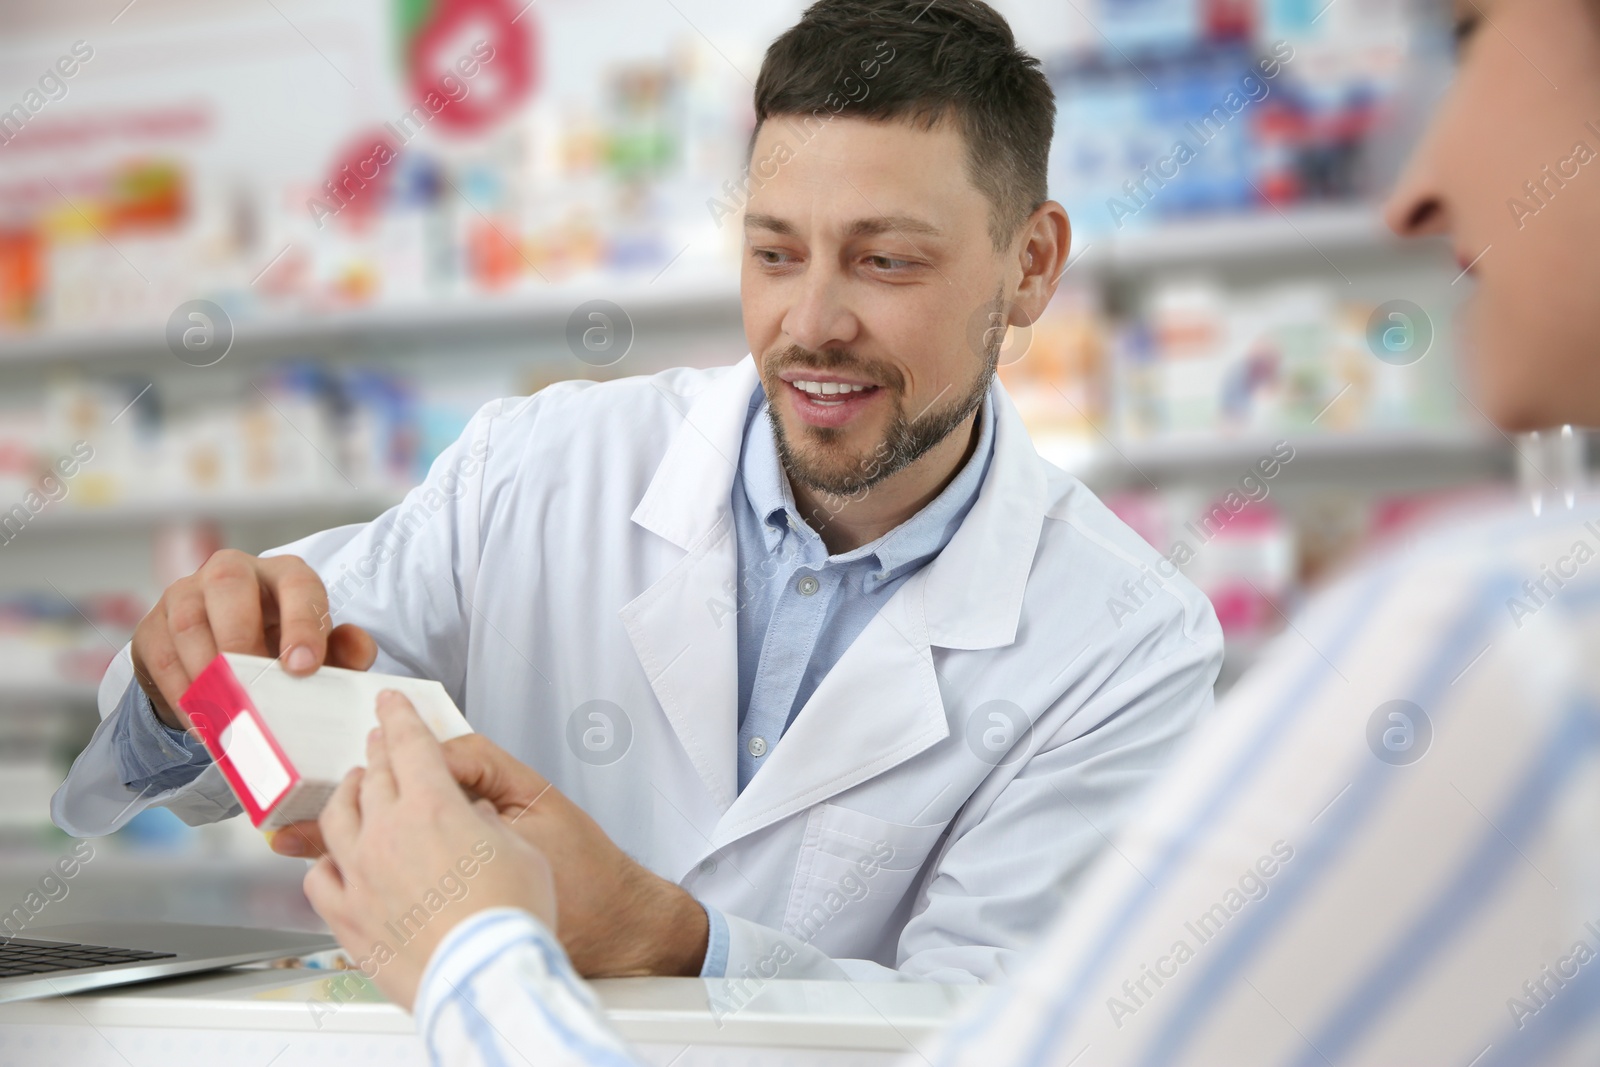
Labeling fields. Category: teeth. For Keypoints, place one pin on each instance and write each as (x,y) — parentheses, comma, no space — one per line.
(828,388)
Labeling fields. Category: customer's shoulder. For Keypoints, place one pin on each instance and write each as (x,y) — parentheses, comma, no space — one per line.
(1488,538)
(1481,581)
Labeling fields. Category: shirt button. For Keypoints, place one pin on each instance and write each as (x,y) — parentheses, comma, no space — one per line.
(808,585)
(708,866)
(757,747)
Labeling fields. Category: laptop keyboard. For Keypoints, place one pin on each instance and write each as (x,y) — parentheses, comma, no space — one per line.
(20,956)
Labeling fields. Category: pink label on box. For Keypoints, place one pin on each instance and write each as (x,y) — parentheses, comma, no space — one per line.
(228,724)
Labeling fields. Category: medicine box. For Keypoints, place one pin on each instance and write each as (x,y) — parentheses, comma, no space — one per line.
(284,742)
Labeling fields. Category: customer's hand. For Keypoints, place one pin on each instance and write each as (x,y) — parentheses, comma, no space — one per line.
(239,603)
(617,917)
(409,856)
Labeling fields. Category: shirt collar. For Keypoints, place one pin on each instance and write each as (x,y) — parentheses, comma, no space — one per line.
(765,487)
(908,545)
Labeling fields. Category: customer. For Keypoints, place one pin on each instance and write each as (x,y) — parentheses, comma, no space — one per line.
(1385,848)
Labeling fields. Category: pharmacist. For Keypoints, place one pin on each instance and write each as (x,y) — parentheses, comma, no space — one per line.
(812,650)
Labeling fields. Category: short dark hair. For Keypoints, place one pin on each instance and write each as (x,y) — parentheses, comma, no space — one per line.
(949,57)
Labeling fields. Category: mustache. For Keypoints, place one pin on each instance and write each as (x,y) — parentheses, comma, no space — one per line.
(838,362)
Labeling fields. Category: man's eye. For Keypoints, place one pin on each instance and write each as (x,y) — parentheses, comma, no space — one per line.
(761,255)
(888,263)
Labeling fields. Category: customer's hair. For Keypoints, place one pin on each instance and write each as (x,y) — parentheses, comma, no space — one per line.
(922,61)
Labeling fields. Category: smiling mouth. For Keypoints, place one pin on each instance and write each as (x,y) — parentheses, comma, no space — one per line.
(830,394)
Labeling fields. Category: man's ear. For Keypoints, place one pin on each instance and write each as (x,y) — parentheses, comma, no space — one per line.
(1042,259)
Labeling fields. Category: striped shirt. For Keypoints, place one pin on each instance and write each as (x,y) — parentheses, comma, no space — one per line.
(499,989)
(1379,849)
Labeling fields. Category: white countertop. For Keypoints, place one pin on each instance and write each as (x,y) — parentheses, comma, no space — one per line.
(887,1016)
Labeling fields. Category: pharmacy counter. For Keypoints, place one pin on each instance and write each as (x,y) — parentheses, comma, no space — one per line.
(256,1017)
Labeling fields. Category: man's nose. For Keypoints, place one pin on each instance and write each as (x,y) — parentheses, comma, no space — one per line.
(820,316)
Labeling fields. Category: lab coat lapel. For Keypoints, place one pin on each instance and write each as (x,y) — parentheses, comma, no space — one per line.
(880,705)
(875,709)
(683,627)
(977,584)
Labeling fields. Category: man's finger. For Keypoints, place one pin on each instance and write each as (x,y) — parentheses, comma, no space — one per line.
(232,593)
(340,821)
(351,647)
(298,839)
(189,626)
(302,609)
(415,759)
(156,661)
(485,769)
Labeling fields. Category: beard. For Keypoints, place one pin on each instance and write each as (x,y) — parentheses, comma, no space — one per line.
(830,470)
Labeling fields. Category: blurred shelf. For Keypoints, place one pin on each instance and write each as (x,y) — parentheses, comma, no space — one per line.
(1186,458)
(49,665)
(451,319)
(1305,234)
(270,505)
(159,863)
(1089,460)
(1301,233)
(43,690)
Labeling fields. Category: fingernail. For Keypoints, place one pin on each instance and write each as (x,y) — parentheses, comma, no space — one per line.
(300,658)
(288,844)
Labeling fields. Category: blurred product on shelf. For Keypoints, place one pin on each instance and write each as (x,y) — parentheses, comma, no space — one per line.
(1238,549)
(52,645)
(1199,362)
(298,428)
(1206,361)
(35,747)
(552,190)
(1222,106)
(1257,556)
(1055,368)
(21,276)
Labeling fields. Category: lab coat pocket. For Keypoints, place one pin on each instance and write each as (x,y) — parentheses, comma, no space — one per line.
(856,863)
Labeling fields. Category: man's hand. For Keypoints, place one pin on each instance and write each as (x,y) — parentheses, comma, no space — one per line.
(408,852)
(238,603)
(617,917)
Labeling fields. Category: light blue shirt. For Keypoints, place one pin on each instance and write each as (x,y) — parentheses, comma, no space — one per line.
(152,755)
(788,585)
(816,603)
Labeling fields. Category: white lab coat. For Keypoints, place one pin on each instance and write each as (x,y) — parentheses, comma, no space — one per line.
(588,554)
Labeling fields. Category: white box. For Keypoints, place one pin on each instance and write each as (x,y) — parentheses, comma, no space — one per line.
(284,742)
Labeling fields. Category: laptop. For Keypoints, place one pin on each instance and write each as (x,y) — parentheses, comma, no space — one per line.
(55,960)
